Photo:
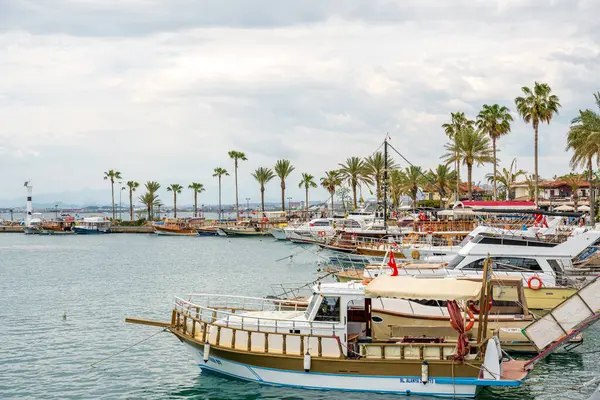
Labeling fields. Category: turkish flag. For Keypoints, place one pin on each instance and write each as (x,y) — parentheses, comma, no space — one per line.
(392,264)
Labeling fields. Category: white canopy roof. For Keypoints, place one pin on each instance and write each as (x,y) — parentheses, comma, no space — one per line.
(564,207)
(406,287)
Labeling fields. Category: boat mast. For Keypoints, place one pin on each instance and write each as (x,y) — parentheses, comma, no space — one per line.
(385,182)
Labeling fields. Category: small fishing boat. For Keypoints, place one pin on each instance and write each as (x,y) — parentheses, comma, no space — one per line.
(174,228)
(60,226)
(33,224)
(92,226)
(207,231)
(244,228)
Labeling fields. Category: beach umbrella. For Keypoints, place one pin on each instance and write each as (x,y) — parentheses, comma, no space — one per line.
(564,207)
(583,208)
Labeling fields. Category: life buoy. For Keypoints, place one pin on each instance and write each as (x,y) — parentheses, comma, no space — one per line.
(415,254)
(429,230)
(471,321)
(265,220)
(476,309)
(537,286)
(321,233)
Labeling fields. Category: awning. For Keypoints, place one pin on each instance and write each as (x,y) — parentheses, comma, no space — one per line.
(583,208)
(406,287)
(564,207)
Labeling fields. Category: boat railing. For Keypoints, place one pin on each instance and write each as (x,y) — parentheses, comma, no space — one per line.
(244,303)
(235,329)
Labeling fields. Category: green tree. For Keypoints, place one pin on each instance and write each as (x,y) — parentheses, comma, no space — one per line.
(149,200)
(584,140)
(112,175)
(263,176)
(407,181)
(537,105)
(152,187)
(176,189)
(458,122)
(197,188)
(575,181)
(283,169)
(354,172)
(495,120)
(307,182)
(441,180)
(375,168)
(235,156)
(132,185)
(507,177)
(219,173)
(473,148)
(330,182)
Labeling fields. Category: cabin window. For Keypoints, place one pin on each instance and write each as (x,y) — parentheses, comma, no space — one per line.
(455,261)
(321,223)
(329,311)
(507,264)
(311,305)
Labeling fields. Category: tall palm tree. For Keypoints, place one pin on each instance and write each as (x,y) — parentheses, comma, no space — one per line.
(495,120)
(112,175)
(150,200)
(263,176)
(473,148)
(132,185)
(283,169)
(375,167)
(441,179)
(537,105)
(330,182)
(530,182)
(407,181)
(197,188)
(507,177)
(458,121)
(307,182)
(354,172)
(236,155)
(584,139)
(220,172)
(575,181)
(176,189)
(152,187)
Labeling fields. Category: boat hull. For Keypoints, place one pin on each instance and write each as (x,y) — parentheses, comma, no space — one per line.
(85,231)
(278,234)
(441,387)
(31,230)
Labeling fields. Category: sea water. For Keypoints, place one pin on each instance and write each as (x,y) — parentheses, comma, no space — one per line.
(64,299)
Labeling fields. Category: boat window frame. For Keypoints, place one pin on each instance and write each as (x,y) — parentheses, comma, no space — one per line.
(338,305)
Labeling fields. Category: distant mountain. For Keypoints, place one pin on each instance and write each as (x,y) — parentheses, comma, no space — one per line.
(67,199)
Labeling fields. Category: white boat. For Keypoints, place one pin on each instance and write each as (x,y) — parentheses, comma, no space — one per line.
(315,230)
(33,224)
(92,225)
(278,233)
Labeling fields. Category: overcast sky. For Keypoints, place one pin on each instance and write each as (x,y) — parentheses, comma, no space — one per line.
(163,89)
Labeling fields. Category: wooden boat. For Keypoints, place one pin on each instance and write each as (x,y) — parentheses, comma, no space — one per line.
(509,314)
(175,228)
(330,345)
(207,231)
(92,226)
(245,228)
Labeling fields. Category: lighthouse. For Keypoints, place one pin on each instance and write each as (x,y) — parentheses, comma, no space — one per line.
(29,202)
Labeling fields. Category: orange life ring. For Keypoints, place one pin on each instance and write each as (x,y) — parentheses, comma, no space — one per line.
(471,321)
(534,287)
(321,233)
(476,309)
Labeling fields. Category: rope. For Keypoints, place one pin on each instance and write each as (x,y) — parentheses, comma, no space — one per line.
(127,348)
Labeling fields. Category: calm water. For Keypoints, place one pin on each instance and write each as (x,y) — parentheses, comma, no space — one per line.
(99,280)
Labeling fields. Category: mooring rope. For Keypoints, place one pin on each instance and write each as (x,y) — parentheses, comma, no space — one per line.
(127,348)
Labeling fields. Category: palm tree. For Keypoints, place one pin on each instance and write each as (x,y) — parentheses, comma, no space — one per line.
(507,178)
(473,148)
(441,180)
(263,176)
(330,182)
(538,105)
(132,185)
(575,181)
(495,120)
(584,139)
(375,166)
(236,155)
(407,181)
(219,172)
(308,182)
(283,169)
(150,200)
(197,188)
(354,172)
(176,189)
(531,186)
(458,121)
(152,187)
(112,175)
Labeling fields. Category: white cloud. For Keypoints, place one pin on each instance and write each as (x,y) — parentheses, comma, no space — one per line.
(164,92)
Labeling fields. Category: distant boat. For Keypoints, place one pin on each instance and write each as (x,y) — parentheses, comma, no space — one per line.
(92,225)
(34,224)
(175,228)
(246,228)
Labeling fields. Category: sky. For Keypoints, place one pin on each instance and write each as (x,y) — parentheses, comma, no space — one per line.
(163,89)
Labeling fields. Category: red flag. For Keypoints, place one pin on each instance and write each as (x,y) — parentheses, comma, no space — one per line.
(392,264)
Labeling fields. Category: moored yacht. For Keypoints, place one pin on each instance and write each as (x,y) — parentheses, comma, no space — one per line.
(92,226)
